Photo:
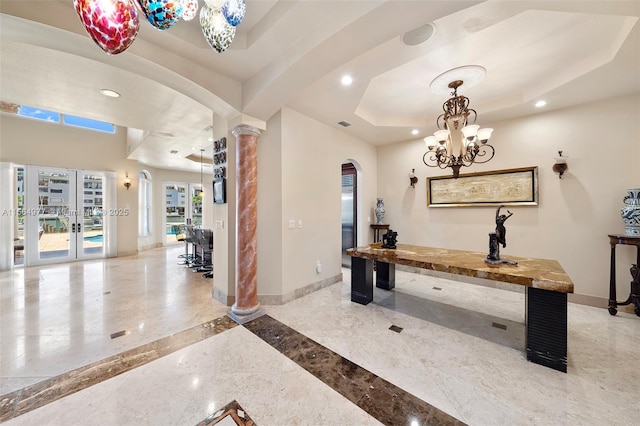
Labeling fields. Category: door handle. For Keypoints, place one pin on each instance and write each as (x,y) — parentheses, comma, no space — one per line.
(73,227)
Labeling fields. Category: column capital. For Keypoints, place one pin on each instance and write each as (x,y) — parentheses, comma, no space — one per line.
(245,129)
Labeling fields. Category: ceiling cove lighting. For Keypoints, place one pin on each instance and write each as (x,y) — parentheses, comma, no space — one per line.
(114,24)
(459,142)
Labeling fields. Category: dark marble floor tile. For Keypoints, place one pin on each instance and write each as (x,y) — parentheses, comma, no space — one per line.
(232,410)
(47,391)
(386,402)
(8,404)
(276,334)
(391,405)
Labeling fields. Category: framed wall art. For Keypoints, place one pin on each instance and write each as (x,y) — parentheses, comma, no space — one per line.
(500,187)
(219,190)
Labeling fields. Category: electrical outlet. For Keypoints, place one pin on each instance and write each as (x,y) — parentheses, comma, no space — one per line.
(318,267)
(299,223)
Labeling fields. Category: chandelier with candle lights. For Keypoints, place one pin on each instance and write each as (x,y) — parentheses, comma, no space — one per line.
(459,142)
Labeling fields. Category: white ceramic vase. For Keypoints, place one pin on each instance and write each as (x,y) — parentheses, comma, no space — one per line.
(631,212)
(379,211)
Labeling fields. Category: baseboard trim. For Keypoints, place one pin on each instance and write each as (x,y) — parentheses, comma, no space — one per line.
(268,299)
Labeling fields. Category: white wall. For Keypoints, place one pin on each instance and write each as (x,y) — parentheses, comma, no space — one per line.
(311,157)
(29,141)
(575,213)
(270,200)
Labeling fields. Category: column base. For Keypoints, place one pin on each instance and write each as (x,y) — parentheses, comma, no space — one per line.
(242,316)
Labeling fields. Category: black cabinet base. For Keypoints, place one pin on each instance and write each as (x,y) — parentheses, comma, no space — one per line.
(546,328)
(361,280)
(385,275)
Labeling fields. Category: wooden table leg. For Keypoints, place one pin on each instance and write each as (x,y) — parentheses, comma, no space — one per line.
(612,282)
(546,328)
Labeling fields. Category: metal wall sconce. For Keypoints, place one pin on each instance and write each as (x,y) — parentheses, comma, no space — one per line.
(561,165)
(412,178)
(127,182)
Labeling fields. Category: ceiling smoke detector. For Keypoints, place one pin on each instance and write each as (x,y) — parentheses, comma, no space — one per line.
(418,35)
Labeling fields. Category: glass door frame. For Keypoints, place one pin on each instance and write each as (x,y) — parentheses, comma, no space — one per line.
(190,209)
(70,216)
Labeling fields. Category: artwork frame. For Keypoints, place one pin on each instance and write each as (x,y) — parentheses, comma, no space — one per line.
(506,187)
(219,190)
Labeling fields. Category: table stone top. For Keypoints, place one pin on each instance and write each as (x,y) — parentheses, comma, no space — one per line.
(538,273)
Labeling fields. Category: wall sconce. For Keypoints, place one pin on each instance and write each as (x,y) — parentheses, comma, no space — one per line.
(561,165)
(127,182)
(412,178)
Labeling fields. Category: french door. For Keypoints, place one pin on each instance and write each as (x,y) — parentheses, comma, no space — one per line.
(183,205)
(64,215)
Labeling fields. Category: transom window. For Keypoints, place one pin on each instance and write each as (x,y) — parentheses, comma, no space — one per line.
(56,117)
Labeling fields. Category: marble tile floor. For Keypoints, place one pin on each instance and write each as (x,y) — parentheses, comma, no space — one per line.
(453,353)
(56,318)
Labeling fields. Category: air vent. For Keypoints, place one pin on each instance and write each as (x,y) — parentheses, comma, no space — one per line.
(173,151)
(344,123)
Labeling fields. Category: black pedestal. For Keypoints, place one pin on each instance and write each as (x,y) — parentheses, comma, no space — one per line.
(385,275)
(361,280)
(547,328)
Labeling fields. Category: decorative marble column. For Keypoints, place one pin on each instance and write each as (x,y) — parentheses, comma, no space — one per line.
(246,306)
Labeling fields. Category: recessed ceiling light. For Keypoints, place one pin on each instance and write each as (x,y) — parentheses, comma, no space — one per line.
(110,93)
(540,104)
(415,132)
(210,139)
(346,80)
(193,148)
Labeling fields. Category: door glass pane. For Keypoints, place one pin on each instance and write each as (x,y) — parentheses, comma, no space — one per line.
(18,231)
(92,231)
(176,204)
(196,205)
(53,214)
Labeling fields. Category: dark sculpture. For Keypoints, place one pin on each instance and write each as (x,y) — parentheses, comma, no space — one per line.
(389,239)
(501,232)
(497,238)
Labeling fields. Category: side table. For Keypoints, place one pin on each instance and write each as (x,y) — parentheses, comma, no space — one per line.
(377,227)
(634,294)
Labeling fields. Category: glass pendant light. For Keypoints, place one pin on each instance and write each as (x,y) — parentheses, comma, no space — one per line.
(217,31)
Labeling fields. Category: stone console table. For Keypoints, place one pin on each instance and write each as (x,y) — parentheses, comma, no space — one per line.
(547,285)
